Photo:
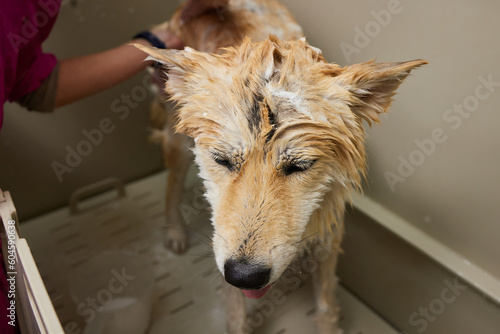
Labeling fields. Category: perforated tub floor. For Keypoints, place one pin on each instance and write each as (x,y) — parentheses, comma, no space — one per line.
(187,298)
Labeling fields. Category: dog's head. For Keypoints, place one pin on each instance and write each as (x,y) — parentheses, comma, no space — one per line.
(277,131)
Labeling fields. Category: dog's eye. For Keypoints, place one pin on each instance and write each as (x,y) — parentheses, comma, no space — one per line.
(297,167)
(223,162)
(292,168)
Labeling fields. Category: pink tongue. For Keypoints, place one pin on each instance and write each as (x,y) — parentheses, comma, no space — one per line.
(256,294)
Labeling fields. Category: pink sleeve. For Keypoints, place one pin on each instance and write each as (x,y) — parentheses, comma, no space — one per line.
(23,64)
(29,78)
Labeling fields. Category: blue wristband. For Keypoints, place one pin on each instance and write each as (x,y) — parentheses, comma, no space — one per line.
(151,38)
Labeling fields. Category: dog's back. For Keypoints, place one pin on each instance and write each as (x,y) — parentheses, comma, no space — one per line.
(229,22)
(226,23)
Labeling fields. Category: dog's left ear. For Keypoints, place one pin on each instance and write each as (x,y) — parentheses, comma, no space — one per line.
(371,85)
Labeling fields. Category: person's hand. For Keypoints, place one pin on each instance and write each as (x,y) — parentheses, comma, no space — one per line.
(172,41)
(195,8)
(168,37)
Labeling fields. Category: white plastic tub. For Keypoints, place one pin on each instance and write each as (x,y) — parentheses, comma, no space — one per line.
(186,288)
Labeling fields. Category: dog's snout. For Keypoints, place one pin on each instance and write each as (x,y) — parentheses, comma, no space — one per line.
(246,275)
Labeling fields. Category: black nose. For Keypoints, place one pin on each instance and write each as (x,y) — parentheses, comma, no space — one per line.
(246,276)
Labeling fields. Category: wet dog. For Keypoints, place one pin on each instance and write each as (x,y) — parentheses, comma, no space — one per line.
(279,141)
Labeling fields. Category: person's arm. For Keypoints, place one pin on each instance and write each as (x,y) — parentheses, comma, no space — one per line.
(84,76)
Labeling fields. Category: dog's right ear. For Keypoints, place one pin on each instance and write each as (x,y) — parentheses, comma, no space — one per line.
(183,68)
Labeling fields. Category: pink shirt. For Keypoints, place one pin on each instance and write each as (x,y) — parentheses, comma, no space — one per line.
(24,25)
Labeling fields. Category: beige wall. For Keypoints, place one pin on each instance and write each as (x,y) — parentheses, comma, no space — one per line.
(31,142)
(449,188)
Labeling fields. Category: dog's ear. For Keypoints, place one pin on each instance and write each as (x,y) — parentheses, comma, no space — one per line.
(371,85)
(183,68)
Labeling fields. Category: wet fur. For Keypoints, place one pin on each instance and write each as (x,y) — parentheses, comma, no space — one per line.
(287,126)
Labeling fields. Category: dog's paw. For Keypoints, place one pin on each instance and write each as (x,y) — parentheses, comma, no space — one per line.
(176,240)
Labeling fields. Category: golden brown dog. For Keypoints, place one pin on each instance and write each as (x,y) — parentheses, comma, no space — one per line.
(279,141)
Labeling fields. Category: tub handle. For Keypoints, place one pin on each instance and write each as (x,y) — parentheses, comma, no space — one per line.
(94,189)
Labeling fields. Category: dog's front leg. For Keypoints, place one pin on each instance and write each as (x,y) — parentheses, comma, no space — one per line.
(177,160)
(236,310)
(325,284)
